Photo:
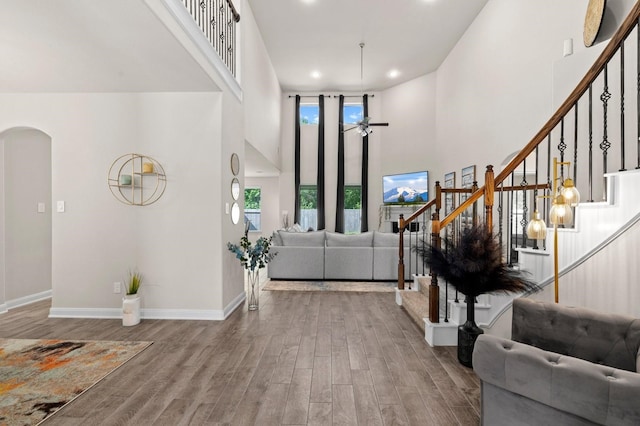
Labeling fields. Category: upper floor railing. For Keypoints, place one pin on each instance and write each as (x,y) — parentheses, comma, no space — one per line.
(596,130)
(217,19)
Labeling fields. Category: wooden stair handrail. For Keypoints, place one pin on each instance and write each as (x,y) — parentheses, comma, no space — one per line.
(418,212)
(628,25)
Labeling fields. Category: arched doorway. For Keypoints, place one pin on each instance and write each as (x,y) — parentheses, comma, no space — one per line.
(25,225)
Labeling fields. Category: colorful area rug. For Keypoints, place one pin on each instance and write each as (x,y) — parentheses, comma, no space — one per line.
(38,377)
(362,286)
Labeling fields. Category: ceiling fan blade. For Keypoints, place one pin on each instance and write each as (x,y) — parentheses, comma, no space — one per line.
(379,124)
(350,128)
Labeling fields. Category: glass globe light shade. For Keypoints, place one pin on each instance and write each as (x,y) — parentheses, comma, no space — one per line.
(561,213)
(537,229)
(570,192)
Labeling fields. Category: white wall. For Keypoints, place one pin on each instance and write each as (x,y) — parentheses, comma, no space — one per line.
(178,242)
(495,88)
(27,236)
(410,140)
(261,92)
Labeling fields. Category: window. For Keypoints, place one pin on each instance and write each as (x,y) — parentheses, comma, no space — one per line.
(252,209)
(352,209)
(309,114)
(352,113)
(309,207)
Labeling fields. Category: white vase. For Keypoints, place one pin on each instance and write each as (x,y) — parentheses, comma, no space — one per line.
(130,310)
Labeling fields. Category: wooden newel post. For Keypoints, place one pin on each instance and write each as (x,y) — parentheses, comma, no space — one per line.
(434,290)
(401,252)
(489,188)
(438,196)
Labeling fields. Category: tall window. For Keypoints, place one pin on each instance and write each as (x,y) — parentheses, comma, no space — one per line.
(309,114)
(352,208)
(309,207)
(352,113)
(252,211)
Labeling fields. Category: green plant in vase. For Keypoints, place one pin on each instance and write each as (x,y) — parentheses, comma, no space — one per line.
(133,283)
(253,257)
(473,265)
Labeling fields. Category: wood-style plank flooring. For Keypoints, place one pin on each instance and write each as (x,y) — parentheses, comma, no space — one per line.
(305,358)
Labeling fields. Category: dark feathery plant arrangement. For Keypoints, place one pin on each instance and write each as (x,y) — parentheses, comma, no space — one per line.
(473,265)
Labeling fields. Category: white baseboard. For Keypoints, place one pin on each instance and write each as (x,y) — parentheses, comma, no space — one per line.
(151,313)
(3,308)
(237,301)
(25,300)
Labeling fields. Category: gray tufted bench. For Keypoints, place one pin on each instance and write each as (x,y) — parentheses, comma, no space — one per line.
(563,366)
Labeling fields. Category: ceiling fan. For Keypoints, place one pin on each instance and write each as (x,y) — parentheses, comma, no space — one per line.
(363,127)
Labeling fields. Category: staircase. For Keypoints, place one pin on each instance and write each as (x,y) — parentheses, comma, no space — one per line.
(589,134)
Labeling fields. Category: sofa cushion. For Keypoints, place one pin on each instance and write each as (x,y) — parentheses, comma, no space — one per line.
(276,239)
(608,339)
(387,239)
(302,239)
(356,240)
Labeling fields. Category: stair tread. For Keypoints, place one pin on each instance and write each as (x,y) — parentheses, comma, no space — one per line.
(417,306)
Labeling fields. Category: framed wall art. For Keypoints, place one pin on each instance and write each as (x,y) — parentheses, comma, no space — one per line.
(468,177)
(449,200)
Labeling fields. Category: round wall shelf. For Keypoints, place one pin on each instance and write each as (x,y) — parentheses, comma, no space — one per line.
(137,180)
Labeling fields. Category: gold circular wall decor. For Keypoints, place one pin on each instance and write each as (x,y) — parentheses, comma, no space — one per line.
(235,164)
(136,179)
(593,21)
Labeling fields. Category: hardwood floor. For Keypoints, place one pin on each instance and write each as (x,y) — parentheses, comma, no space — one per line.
(304,358)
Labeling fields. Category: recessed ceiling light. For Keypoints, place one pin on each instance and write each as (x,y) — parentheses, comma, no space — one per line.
(393,73)
(316,74)
(308,1)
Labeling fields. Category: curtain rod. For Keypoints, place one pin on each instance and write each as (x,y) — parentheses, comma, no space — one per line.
(353,96)
(309,96)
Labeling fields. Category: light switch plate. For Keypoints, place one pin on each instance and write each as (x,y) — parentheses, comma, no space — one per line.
(60,206)
(41,208)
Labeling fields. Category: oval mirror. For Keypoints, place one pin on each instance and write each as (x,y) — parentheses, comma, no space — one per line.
(235,188)
(235,164)
(235,213)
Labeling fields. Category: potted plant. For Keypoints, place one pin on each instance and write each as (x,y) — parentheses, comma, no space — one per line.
(473,265)
(133,283)
(131,300)
(253,258)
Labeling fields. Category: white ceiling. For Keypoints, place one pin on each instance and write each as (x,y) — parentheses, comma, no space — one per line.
(412,36)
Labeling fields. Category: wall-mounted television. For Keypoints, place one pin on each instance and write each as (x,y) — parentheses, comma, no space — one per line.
(405,188)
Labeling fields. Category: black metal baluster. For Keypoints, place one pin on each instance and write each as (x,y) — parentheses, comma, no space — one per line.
(500,216)
(638,91)
(622,168)
(590,143)
(575,141)
(535,197)
(510,236)
(562,146)
(549,186)
(525,209)
(605,144)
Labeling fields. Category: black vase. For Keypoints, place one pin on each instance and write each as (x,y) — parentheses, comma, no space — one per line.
(468,334)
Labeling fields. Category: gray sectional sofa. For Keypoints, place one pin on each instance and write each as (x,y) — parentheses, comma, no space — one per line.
(563,366)
(323,255)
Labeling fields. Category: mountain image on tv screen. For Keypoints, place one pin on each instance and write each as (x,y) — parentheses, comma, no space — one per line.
(406,188)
